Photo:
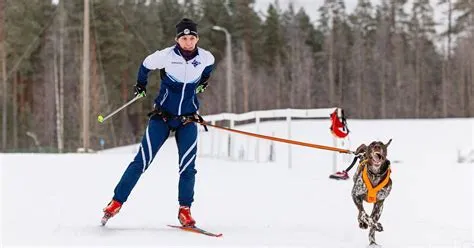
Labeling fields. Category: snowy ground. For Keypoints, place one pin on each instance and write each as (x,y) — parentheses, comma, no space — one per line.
(53,200)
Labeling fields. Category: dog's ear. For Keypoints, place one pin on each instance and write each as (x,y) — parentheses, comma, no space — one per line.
(361,149)
(388,143)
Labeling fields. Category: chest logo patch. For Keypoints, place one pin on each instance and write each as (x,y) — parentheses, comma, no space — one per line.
(195,63)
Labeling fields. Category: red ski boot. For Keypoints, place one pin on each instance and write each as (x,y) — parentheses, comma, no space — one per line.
(185,218)
(340,175)
(111,210)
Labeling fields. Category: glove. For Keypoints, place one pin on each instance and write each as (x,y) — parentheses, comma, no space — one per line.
(201,87)
(139,89)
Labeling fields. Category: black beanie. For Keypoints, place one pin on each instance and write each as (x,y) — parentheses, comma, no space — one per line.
(186,26)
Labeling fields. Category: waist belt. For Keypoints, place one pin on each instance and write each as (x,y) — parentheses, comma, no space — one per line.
(185,119)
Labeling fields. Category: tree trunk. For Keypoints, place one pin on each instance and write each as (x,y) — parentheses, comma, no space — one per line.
(56,91)
(309,65)
(86,78)
(359,66)
(95,89)
(446,78)
(245,76)
(464,63)
(15,111)
(278,79)
(399,62)
(469,83)
(4,74)
(124,114)
(417,74)
(341,82)
(382,89)
(443,89)
(331,69)
(62,20)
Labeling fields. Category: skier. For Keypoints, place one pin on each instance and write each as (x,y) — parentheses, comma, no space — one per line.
(340,131)
(185,70)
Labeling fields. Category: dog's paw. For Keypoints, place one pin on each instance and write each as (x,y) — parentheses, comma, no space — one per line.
(378,227)
(364,220)
(363,225)
(374,245)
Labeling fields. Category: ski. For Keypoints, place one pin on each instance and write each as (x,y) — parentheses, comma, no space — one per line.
(104,219)
(335,177)
(195,229)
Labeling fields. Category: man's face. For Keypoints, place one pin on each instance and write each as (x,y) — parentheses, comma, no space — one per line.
(187,42)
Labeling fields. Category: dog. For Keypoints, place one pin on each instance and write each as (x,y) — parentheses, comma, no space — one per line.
(372,184)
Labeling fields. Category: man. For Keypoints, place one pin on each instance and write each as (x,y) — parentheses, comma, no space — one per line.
(185,69)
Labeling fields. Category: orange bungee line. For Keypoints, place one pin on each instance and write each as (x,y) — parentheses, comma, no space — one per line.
(288,141)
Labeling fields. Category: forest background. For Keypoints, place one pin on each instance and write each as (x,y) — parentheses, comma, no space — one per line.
(385,60)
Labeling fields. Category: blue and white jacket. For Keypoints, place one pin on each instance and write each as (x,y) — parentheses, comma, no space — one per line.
(179,78)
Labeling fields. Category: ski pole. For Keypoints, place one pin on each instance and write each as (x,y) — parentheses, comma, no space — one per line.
(101,118)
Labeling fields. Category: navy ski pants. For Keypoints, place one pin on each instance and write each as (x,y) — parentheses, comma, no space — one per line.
(155,136)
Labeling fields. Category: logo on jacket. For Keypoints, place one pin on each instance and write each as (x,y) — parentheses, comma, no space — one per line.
(195,63)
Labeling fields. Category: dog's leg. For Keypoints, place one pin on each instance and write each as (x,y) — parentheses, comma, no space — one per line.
(363,217)
(357,173)
(375,216)
(375,225)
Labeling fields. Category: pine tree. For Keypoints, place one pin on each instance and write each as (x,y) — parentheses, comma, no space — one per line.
(333,23)
(167,20)
(246,40)
(273,50)
(313,39)
(115,51)
(364,26)
(215,12)
(191,10)
(27,26)
(464,26)
(388,55)
(446,67)
(422,29)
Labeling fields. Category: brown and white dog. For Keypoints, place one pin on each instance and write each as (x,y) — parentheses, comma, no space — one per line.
(372,184)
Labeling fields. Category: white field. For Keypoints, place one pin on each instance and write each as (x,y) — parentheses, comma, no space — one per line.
(56,199)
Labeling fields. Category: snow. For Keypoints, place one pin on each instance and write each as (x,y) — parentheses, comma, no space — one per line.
(56,199)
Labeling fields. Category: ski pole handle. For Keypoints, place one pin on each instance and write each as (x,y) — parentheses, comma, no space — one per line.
(101,118)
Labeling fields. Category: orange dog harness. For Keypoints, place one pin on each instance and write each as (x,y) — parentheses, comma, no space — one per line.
(371,191)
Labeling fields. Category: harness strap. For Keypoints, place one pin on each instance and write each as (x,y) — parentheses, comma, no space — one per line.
(158,112)
(372,191)
(195,118)
(185,119)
